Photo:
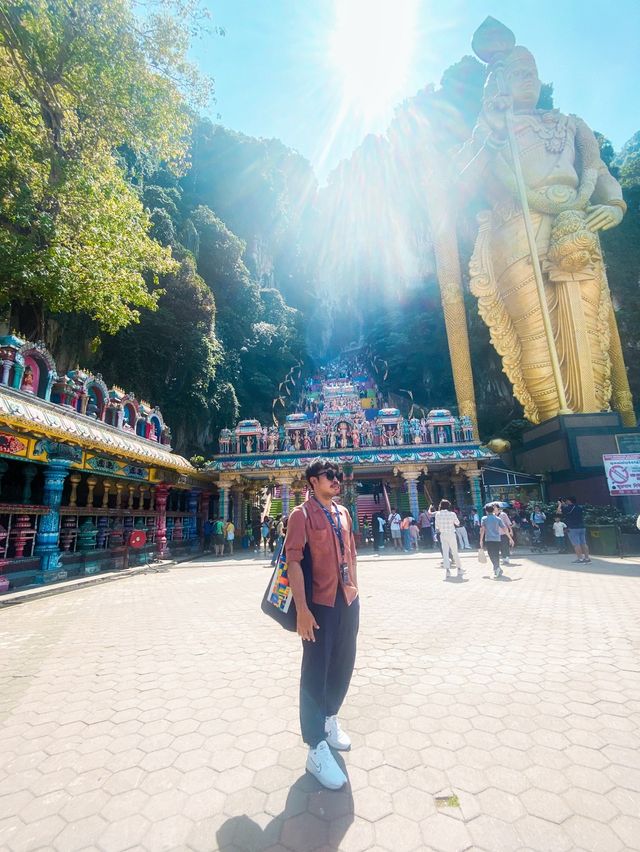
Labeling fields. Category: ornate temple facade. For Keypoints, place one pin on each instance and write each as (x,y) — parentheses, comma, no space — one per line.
(407,462)
(89,482)
(82,468)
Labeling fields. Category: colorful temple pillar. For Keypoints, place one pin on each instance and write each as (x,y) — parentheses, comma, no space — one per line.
(49,529)
(205,510)
(474,477)
(224,501)
(161,496)
(458,489)
(193,506)
(411,475)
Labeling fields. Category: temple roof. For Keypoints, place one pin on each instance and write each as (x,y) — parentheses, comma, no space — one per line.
(33,415)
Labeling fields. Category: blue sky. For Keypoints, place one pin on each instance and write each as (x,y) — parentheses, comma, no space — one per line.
(279,73)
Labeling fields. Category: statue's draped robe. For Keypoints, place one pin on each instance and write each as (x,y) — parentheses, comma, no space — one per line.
(563,173)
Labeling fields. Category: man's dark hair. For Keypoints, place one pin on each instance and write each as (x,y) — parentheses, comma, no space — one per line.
(490,508)
(445,504)
(318,467)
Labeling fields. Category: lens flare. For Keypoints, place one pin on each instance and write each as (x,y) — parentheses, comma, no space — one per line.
(370,49)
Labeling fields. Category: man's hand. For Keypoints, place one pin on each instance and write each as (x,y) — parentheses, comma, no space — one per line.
(601,217)
(306,624)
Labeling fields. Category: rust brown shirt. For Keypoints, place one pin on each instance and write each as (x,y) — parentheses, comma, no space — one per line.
(324,548)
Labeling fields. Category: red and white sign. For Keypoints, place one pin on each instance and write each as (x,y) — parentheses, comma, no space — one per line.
(623,473)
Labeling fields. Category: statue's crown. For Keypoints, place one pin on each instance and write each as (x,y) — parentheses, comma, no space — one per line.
(494,42)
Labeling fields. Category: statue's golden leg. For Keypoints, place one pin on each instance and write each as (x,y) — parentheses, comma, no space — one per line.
(576,317)
(621,399)
(517,289)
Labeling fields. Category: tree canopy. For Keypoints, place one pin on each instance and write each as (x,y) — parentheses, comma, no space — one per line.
(79,81)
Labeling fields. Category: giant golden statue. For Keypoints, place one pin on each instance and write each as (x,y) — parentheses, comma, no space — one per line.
(537,266)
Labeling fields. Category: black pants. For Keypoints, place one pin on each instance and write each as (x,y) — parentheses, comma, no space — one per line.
(426,536)
(504,547)
(327,666)
(493,549)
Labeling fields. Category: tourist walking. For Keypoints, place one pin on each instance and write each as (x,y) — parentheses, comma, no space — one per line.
(272,535)
(506,537)
(218,537)
(405,524)
(366,530)
(424,522)
(207,532)
(279,525)
(446,523)
(573,516)
(264,534)
(537,517)
(414,536)
(379,524)
(230,535)
(328,623)
(491,531)
(394,521)
(461,534)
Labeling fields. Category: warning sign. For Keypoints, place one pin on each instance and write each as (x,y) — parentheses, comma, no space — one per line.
(623,473)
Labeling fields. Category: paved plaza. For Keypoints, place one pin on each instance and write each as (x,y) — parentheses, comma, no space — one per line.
(160,712)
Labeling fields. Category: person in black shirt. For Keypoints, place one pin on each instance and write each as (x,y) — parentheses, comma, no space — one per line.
(573,516)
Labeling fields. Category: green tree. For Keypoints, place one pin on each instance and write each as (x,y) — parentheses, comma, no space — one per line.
(78,80)
(172,356)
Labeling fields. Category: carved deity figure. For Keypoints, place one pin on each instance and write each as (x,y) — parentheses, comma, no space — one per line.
(27,380)
(355,437)
(342,428)
(296,440)
(249,444)
(571,196)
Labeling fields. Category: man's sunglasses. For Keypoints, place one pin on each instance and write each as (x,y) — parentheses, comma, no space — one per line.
(331,475)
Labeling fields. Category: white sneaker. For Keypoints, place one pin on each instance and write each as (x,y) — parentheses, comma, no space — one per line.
(323,766)
(336,737)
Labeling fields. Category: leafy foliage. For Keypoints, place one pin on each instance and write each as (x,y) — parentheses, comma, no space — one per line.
(77,81)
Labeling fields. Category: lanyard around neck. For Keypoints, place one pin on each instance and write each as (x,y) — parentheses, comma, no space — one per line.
(337,529)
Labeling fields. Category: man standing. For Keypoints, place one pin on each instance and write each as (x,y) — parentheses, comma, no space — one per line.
(491,531)
(394,525)
(461,533)
(446,523)
(207,530)
(424,520)
(328,623)
(379,524)
(405,525)
(573,516)
(218,537)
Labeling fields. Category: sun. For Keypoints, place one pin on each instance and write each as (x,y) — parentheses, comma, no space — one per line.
(370,49)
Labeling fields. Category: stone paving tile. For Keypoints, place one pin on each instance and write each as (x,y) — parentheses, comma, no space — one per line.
(151,714)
